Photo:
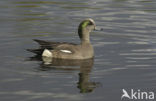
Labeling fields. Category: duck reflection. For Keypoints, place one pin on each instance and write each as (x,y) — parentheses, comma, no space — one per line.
(84,66)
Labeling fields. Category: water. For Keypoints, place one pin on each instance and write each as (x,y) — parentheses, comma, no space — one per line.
(125,52)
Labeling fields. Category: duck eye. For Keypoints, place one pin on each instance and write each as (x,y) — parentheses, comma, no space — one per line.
(86,23)
(90,23)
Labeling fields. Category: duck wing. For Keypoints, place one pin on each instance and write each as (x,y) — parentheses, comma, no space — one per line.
(47,45)
(50,45)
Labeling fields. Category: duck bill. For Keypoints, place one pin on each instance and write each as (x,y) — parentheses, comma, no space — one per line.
(98,29)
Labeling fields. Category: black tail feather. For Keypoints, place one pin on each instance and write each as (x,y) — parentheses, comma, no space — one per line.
(41,42)
(36,51)
(45,44)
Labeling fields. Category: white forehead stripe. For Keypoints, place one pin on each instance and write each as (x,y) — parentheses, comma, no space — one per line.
(66,51)
(91,20)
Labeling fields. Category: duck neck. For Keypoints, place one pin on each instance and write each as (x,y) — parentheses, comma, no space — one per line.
(84,36)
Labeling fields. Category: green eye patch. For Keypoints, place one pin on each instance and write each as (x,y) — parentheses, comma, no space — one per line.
(84,24)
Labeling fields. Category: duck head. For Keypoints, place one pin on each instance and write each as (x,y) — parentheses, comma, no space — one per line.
(84,29)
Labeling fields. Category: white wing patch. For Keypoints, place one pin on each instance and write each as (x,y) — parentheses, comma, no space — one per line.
(66,51)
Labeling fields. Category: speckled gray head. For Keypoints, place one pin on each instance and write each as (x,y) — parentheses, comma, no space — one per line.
(86,26)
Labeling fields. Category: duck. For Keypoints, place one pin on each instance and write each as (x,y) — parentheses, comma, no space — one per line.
(65,50)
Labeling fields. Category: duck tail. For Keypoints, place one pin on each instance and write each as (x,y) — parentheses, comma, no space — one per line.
(41,42)
(36,51)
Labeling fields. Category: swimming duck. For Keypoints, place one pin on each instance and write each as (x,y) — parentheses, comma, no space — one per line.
(63,50)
